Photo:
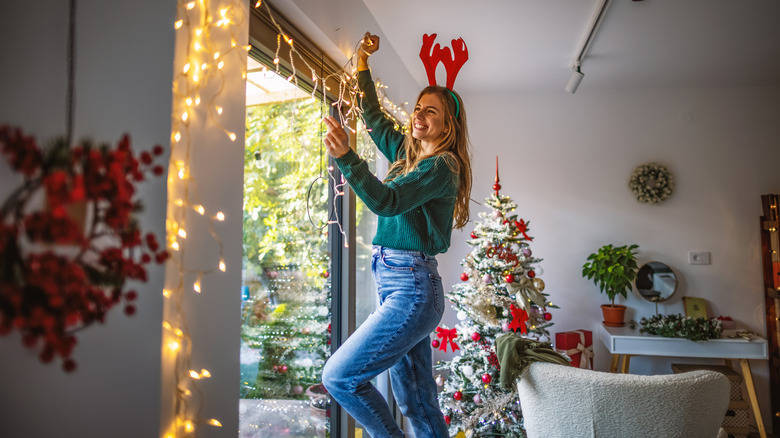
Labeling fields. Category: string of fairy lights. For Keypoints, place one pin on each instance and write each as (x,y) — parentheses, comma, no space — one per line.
(209,32)
(347,96)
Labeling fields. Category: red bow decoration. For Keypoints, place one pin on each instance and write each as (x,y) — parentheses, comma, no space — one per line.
(447,335)
(519,317)
(431,58)
(522,228)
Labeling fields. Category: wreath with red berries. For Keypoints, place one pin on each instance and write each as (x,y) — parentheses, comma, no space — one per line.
(69,241)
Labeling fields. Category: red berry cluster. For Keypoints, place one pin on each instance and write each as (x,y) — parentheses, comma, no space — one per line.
(57,273)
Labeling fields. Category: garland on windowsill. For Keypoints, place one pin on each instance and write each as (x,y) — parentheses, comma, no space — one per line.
(69,241)
(679,326)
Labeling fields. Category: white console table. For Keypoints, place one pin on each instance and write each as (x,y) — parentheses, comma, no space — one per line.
(624,342)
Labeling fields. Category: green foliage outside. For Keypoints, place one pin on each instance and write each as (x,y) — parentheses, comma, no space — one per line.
(286,319)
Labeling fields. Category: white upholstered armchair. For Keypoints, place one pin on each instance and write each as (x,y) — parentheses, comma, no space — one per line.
(562,401)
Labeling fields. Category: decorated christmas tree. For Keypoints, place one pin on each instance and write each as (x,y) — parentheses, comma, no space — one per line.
(501,292)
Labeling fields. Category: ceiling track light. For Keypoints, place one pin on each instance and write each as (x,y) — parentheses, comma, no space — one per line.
(584,45)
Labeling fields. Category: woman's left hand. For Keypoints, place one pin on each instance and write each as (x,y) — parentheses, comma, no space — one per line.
(336,140)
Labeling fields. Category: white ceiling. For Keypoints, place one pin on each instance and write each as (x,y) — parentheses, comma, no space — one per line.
(529,45)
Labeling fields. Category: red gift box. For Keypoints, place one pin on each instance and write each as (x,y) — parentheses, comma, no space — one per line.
(575,343)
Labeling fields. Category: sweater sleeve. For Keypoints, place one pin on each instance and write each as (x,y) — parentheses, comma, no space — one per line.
(430,180)
(382,129)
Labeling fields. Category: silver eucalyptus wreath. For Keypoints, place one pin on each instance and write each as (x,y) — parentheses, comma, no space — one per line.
(651,183)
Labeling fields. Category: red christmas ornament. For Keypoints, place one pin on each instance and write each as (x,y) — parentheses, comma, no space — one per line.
(464,276)
(486,378)
(509,278)
(447,419)
(531,274)
(473,235)
(496,186)
(475,336)
(458,395)
(435,343)
(325,274)
(547,316)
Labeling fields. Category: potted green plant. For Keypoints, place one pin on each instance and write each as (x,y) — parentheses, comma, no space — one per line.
(613,269)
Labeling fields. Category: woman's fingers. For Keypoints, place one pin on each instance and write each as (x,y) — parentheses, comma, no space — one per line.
(336,140)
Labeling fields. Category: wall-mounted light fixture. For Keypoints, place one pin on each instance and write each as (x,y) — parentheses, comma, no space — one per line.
(584,45)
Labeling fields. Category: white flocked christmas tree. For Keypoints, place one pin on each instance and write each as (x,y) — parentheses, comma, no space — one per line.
(500,292)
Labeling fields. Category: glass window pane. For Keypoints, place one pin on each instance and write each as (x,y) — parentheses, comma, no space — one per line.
(366,299)
(285,327)
(365,289)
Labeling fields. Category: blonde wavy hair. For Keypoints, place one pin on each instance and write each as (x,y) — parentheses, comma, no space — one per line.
(454,145)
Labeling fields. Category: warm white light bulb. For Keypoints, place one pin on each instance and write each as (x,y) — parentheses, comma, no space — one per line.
(200,209)
(196,287)
(177,24)
(214,422)
(220,216)
(182,233)
(219,110)
(232,136)
(222,266)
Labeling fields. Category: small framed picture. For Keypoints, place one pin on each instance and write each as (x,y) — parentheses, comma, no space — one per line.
(695,307)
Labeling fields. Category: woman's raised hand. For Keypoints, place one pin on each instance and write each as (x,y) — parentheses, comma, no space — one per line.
(369,44)
(336,140)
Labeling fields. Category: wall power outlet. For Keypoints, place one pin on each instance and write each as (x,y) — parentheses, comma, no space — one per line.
(698,257)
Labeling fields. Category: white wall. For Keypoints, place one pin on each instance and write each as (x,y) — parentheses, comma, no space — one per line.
(566,160)
(124,71)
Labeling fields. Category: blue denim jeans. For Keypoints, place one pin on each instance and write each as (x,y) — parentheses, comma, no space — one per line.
(395,337)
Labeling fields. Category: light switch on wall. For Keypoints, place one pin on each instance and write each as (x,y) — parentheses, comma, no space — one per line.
(698,257)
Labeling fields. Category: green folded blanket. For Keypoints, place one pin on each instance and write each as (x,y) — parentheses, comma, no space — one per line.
(516,353)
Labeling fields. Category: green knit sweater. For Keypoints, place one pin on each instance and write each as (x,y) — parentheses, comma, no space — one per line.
(415,210)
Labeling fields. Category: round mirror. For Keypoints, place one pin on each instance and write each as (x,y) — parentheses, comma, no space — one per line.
(656,282)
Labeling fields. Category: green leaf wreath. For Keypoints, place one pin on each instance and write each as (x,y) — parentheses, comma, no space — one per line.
(651,183)
(679,326)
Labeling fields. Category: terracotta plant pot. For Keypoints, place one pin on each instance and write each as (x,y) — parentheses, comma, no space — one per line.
(613,315)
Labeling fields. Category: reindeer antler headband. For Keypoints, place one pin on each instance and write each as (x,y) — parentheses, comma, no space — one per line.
(432,55)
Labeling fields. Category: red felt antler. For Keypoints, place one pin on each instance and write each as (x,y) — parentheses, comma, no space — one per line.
(430,60)
(431,56)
